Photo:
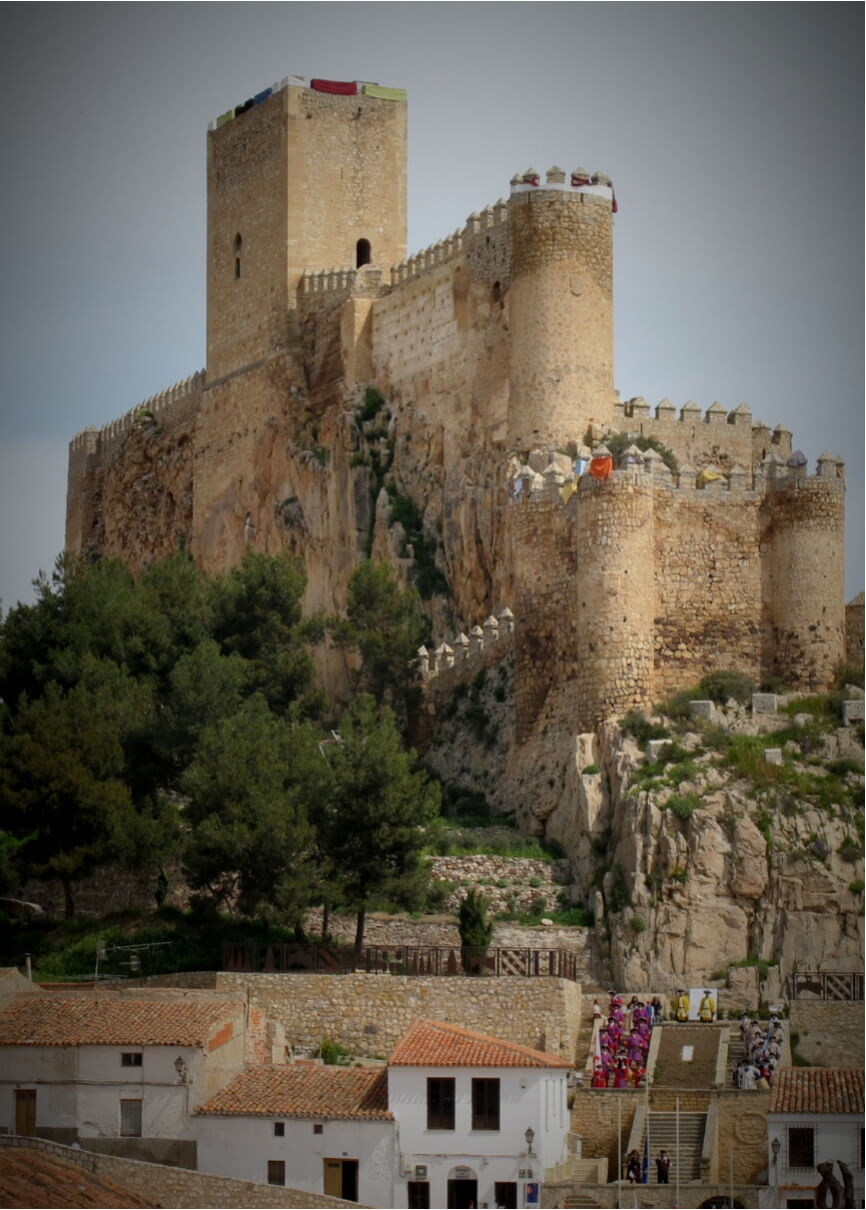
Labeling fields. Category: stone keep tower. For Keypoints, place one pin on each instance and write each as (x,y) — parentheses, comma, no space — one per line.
(305,180)
(561,375)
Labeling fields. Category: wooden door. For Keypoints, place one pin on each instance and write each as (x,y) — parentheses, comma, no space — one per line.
(333,1178)
(25,1111)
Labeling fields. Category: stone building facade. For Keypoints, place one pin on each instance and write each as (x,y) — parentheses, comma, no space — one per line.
(493,353)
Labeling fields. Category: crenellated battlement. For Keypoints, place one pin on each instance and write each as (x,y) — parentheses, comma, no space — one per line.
(92,440)
(460,661)
(642,467)
(638,409)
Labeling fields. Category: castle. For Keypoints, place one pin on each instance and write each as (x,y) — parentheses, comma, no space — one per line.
(493,353)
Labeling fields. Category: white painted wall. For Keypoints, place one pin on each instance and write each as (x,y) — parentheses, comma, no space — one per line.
(837,1137)
(240,1147)
(527,1097)
(82,1087)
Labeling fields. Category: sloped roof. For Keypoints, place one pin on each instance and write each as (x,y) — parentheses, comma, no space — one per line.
(304,1092)
(817,1090)
(98,1021)
(437,1044)
(33,1178)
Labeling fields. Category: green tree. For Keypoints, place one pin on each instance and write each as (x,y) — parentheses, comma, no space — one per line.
(249,840)
(378,810)
(476,929)
(257,615)
(385,623)
(61,781)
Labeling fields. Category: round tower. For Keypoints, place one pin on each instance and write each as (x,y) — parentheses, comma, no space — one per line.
(615,592)
(804,576)
(561,307)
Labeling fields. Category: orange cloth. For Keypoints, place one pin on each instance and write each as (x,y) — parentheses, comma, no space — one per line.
(600,468)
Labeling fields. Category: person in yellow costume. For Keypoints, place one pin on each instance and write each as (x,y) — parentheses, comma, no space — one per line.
(707,1006)
(681,1005)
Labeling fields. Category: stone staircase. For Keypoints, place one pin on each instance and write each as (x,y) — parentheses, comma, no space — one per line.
(579,1201)
(663,1133)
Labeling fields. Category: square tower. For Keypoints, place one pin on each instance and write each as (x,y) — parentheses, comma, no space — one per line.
(305,180)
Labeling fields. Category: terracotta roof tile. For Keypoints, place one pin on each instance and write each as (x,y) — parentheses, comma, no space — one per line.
(437,1044)
(817,1090)
(305,1092)
(98,1021)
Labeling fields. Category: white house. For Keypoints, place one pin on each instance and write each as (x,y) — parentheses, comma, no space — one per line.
(479,1118)
(319,1129)
(117,1074)
(458,1118)
(815,1117)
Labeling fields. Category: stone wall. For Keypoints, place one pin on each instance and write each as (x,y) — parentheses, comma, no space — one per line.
(742,1134)
(370,1013)
(161,1185)
(854,632)
(830,1031)
(600,1116)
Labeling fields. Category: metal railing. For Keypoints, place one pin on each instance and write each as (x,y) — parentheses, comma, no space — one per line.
(400,960)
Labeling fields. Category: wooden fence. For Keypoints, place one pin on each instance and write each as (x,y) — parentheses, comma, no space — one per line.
(400,960)
(825,985)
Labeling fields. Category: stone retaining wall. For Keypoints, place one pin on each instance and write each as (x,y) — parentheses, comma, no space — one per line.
(370,1013)
(830,1031)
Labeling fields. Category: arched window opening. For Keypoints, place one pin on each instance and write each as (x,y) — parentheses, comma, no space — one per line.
(497,292)
(362,253)
(238,246)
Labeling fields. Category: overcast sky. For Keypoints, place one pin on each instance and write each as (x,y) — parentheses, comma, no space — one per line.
(733,133)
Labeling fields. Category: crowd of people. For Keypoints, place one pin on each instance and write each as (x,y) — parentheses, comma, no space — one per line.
(763,1052)
(624,1034)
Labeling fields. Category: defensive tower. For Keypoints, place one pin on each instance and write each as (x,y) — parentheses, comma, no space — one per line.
(301,179)
(561,374)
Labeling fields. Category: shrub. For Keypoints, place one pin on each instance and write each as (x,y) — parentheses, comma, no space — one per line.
(617,443)
(331,1052)
(618,894)
(850,851)
(856,887)
(637,924)
(848,674)
(637,724)
(588,770)
(683,805)
(721,686)
(476,928)
(373,401)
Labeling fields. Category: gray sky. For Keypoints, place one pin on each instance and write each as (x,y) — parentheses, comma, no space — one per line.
(733,133)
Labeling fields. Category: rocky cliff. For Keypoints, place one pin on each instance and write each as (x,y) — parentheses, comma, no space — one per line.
(705,858)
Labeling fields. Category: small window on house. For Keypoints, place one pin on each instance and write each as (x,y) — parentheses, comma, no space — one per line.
(801,1147)
(276,1172)
(485,1104)
(130,1119)
(440,1103)
(279,1129)
(130,1058)
(362,253)
(318,1128)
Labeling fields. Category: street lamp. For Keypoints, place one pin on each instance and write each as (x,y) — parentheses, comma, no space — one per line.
(529,1136)
(776,1147)
(180,1068)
